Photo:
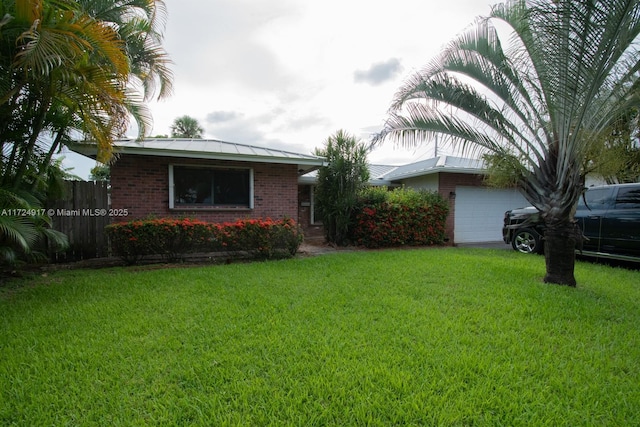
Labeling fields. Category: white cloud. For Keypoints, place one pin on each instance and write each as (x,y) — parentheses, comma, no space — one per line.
(379,72)
(289,73)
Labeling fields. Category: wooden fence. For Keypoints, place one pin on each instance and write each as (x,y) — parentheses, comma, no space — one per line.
(82,216)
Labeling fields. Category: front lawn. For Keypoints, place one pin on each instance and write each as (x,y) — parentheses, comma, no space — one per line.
(400,337)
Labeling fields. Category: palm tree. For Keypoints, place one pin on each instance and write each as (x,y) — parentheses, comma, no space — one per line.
(60,71)
(70,68)
(186,127)
(140,24)
(21,232)
(543,96)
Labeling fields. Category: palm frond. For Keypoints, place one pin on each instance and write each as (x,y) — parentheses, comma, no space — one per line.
(567,66)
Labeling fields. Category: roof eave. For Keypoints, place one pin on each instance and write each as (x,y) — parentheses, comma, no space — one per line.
(314,163)
(312,180)
(466,171)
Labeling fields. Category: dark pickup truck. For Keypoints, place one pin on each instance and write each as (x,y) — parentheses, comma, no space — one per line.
(608,215)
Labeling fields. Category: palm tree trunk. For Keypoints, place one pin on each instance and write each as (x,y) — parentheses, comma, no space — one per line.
(559,252)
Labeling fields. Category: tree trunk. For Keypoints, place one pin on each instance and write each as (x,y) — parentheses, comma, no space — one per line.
(559,253)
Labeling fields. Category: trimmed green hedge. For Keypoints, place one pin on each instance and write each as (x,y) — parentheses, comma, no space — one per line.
(173,238)
(400,217)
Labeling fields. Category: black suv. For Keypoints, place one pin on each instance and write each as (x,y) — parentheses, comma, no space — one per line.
(609,217)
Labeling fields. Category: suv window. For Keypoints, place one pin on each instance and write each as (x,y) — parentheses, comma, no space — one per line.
(596,198)
(628,198)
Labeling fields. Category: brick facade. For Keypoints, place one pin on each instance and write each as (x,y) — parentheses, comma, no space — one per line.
(140,184)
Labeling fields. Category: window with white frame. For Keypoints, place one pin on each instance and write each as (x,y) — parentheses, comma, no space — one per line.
(202,187)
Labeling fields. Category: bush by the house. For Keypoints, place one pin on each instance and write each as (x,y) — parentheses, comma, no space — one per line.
(263,239)
(400,217)
(172,239)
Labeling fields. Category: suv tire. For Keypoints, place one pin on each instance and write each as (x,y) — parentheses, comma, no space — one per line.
(527,241)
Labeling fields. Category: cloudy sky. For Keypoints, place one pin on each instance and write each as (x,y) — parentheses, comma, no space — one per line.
(289,73)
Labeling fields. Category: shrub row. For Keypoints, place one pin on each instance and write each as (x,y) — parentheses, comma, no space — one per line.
(400,217)
(171,239)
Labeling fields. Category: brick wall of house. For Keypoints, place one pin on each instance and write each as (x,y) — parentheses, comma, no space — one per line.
(140,184)
(447,189)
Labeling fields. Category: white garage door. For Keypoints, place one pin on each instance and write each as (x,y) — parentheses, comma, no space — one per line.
(479,213)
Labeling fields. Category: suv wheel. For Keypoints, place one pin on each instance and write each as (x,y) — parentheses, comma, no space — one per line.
(527,241)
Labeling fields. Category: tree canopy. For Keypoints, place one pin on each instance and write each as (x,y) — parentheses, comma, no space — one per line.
(186,127)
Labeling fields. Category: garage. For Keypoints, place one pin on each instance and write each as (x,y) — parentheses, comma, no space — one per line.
(479,212)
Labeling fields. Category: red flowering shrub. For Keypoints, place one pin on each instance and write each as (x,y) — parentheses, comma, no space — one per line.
(173,238)
(262,238)
(397,218)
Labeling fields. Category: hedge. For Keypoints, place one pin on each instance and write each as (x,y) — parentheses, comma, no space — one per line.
(400,217)
(172,239)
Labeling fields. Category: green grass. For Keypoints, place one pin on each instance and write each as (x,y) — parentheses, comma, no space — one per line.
(408,337)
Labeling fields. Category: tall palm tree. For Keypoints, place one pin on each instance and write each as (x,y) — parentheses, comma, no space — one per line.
(61,70)
(70,68)
(542,96)
(186,127)
(140,25)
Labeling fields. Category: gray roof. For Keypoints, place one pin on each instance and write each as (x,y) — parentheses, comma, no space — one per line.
(205,149)
(438,164)
(388,174)
(379,172)
(376,175)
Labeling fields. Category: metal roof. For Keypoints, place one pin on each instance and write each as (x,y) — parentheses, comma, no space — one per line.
(376,175)
(438,164)
(389,174)
(379,172)
(204,149)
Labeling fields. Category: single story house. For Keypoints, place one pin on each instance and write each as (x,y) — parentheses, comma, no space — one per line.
(476,212)
(210,180)
(222,181)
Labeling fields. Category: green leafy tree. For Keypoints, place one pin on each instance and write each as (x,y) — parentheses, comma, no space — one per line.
(339,183)
(100,173)
(541,97)
(186,127)
(617,158)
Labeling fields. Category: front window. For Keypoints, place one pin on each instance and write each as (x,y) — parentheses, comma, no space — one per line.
(200,187)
